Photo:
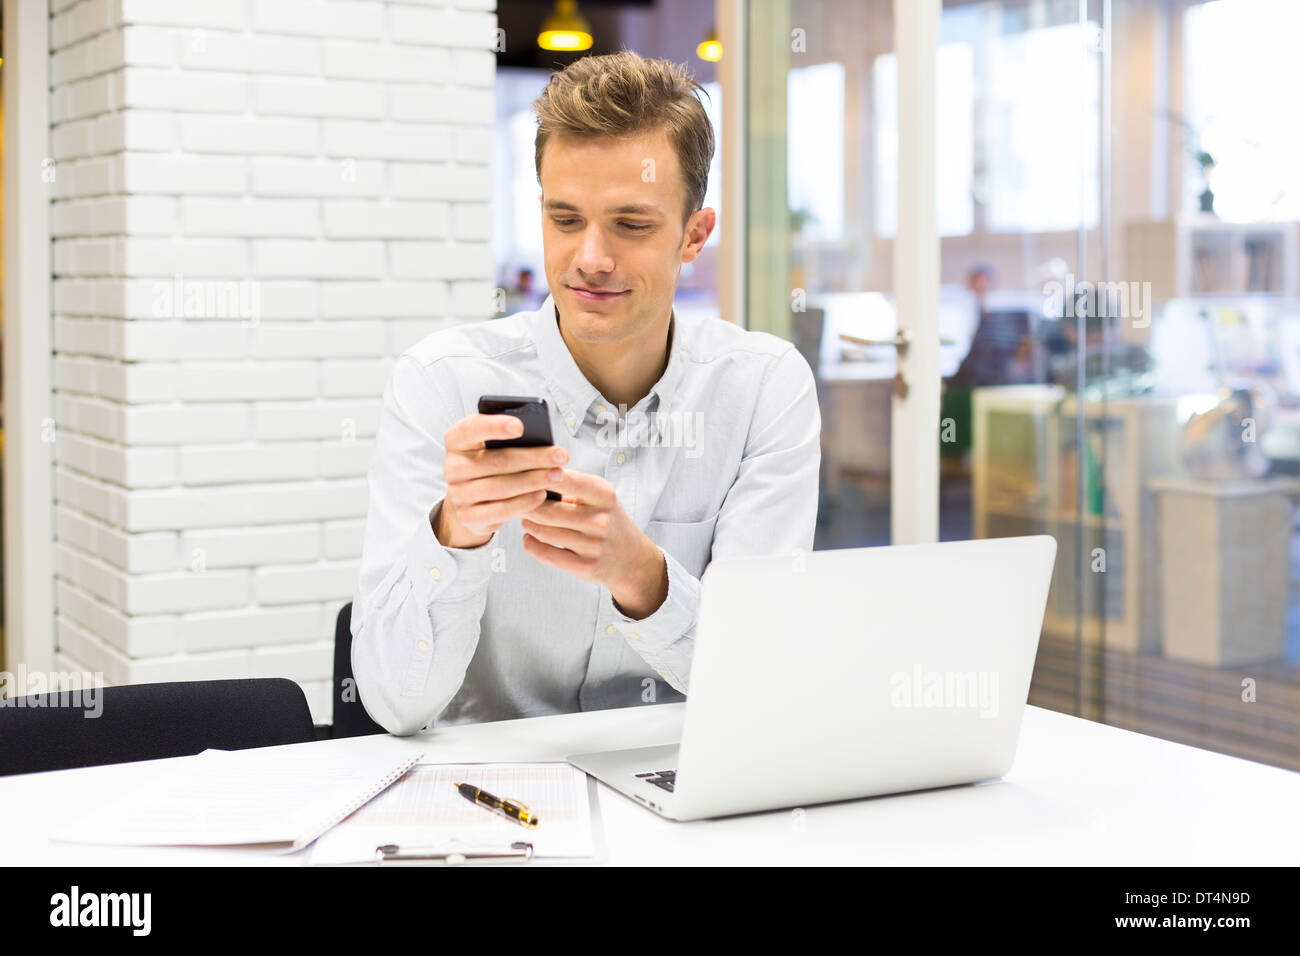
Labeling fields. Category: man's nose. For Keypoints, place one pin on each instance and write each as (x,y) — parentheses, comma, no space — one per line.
(593,252)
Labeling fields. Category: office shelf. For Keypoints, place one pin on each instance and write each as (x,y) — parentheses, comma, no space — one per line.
(1204,255)
(1025,479)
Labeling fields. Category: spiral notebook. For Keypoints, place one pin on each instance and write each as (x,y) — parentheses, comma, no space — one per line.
(273,797)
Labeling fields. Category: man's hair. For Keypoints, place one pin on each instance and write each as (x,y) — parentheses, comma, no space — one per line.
(624,94)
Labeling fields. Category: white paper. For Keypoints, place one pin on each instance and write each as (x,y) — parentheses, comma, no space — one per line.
(225,798)
(426,810)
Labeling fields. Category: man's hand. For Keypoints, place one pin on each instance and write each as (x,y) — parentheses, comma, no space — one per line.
(486,487)
(591,537)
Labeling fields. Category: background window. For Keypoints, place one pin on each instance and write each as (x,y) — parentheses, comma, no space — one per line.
(1241,69)
(1043,87)
(954,136)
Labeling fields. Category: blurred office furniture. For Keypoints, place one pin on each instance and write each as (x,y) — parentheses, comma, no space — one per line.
(1212,438)
(955,431)
(1026,481)
(1197,255)
(857,381)
(855,393)
(1220,351)
(350,717)
(806,329)
(1026,457)
(1143,662)
(150,721)
(1225,556)
(1126,366)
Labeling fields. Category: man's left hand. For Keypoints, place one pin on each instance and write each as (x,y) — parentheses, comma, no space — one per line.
(590,536)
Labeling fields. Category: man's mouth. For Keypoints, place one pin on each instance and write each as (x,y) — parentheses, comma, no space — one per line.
(595,295)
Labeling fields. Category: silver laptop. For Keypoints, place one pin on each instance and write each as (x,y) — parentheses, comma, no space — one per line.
(834,675)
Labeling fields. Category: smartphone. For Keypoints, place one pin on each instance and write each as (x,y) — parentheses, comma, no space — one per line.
(535,415)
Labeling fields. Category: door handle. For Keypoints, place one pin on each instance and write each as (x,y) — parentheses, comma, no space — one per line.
(901,340)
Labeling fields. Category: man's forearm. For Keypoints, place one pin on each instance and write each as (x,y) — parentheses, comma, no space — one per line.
(448,532)
(402,627)
(646,586)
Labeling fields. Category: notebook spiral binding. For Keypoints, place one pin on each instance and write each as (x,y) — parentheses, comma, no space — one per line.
(396,774)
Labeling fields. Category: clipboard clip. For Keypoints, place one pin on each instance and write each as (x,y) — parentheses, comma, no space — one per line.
(393,855)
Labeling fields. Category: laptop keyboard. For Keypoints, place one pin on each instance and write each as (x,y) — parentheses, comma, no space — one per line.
(660,778)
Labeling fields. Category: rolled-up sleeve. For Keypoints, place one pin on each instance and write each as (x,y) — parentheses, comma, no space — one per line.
(418,606)
(770,509)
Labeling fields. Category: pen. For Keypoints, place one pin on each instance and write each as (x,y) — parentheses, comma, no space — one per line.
(507,808)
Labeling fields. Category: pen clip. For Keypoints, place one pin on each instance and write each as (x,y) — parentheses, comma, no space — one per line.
(392,854)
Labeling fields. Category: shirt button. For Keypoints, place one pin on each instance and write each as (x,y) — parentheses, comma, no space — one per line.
(569,421)
(435,573)
(610,629)
(600,409)
(634,635)
(423,645)
(620,458)
(599,683)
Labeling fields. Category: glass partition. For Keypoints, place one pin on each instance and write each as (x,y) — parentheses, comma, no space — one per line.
(1140,409)
(1117,204)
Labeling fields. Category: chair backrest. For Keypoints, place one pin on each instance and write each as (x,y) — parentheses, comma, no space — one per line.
(57,731)
(350,717)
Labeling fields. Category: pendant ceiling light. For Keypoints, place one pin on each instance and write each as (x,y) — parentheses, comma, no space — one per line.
(710,49)
(565,29)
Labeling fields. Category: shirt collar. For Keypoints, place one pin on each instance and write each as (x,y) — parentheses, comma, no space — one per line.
(572,392)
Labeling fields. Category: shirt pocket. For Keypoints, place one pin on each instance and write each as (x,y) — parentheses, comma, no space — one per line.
(690,542)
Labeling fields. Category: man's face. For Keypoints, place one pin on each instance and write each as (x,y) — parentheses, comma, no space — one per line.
(612,233)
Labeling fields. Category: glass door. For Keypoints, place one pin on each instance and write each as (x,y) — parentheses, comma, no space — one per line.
(1193,366)
(1022,451)
(821,210)
(1116,350)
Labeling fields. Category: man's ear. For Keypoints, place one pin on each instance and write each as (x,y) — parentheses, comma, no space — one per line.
(698,229)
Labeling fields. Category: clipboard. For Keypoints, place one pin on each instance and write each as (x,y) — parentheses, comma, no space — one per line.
(391,854)
(423,820)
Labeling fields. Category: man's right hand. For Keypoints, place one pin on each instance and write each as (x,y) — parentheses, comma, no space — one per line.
(486,487)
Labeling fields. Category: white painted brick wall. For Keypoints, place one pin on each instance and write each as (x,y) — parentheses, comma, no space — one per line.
(332,157)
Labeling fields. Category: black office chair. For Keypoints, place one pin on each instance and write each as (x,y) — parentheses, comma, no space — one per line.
(150,721)
(350,717)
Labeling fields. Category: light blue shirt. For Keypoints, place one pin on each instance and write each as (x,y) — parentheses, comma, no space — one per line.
(720,458)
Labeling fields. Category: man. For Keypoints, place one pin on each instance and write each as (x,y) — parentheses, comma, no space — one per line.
(1001,348)
(1001,353)
(479,599)
(523,296)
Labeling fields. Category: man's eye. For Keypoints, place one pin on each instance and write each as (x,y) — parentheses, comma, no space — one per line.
(564,222)
(633,226)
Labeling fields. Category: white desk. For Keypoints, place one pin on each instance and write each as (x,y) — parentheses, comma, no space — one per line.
(1080,793)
